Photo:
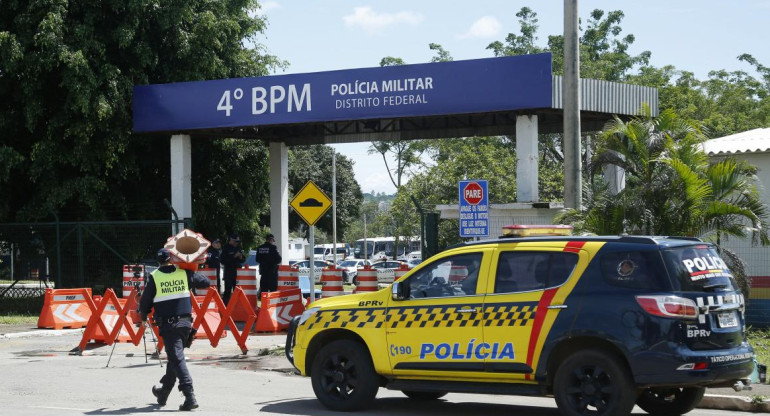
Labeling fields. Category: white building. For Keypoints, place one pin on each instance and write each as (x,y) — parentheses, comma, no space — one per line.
(752,146)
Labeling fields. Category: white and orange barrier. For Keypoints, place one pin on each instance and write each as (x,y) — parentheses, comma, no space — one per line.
(65,308)
(278,309)
(211,316)
(331,282)
(366,279)
(211,273)
(288,277)
(246,279)
(130,280)
(110,321)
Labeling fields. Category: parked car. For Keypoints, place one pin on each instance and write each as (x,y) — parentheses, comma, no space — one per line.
(304,268)
(386,270)
(351,268)
(413,262)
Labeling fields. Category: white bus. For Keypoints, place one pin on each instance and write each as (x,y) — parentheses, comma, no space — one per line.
(383,248)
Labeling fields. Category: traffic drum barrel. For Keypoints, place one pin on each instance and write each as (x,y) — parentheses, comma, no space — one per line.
(288,277)
(366,279)
(211,273)
(130,280)
(331,282)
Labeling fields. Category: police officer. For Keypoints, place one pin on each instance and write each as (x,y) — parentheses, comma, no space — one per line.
(213,261)
(232,258)
(168,292)
(268,259)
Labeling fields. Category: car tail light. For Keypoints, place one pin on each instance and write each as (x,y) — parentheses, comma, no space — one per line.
(668,306)
(693,366)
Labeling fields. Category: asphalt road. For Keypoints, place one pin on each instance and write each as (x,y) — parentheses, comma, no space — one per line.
(39,377)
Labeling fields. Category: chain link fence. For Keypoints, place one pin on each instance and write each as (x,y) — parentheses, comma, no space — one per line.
(75,254)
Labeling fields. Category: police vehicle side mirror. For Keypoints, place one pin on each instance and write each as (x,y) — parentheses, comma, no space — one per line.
(400,290)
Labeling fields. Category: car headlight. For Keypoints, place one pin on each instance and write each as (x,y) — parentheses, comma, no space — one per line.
(307,314)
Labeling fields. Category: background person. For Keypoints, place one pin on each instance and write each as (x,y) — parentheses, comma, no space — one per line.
(232,258)
(268,258)
(168,292)
(213,261)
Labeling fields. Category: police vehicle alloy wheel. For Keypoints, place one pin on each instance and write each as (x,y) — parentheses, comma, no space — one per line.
(343,376)
(670,401)
(424,395)
(593,382)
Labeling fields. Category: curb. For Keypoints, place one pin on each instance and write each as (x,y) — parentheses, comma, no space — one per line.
(47,333)
(739,403)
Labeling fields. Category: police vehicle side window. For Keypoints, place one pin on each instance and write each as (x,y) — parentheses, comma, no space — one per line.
(634,269)
(519,271)
(450,276)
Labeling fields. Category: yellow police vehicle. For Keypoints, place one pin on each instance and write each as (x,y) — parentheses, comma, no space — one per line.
(598,323)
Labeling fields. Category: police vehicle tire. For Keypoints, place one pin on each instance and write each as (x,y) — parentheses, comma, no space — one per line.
(670,401)
(343,376)
(424,395)
(595,382)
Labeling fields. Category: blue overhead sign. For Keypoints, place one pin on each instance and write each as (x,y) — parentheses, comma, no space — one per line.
(458,87)
(474,208)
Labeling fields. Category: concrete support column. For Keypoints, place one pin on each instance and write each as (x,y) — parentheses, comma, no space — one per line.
(615,176)
(181,176)
(279,197)
(526,159)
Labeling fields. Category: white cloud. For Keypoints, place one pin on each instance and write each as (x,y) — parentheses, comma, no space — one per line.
(486,27)
(374,22)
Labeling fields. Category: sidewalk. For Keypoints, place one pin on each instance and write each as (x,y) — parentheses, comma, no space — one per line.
(266,354)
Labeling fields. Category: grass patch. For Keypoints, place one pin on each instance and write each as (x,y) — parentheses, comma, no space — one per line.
(759,338)
(18,320)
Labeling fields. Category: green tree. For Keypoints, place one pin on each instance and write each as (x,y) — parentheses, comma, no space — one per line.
(672,188)
(66,75)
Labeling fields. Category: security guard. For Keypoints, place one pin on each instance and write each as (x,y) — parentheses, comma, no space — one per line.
(268,259)
(168,291)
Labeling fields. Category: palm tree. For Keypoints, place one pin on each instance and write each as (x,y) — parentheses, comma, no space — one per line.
(672,188)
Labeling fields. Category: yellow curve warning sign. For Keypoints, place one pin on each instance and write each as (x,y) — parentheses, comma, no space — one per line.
(311,203)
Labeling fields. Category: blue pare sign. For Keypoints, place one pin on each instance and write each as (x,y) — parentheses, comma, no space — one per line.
(474,208)
(458,87)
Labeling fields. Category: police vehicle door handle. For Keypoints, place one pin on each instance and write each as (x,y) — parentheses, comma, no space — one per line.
(466,311)
(557,307)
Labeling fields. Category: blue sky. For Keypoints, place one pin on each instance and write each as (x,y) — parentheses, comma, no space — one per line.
(323,35)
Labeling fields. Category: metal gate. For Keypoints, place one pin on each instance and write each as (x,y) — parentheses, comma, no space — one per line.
(76,254)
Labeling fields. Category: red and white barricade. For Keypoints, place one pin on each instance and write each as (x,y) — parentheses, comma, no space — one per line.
(288,277)
(331,282)
(211,273)
(457,274)
(131,280)
(366,279)
(400,272)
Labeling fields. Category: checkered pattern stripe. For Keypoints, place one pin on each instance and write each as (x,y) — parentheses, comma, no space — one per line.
(509,314)
(438,316)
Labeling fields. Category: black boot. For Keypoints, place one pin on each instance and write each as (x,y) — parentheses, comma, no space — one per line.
(189,400)
(161,394)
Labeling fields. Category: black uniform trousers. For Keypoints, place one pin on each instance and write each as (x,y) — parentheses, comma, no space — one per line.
(230,279)
(174,333)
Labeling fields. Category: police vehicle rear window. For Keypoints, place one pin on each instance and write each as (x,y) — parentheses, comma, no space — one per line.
(634,270)
(698,268)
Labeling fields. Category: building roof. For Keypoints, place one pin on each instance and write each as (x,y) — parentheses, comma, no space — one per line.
(752,141)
